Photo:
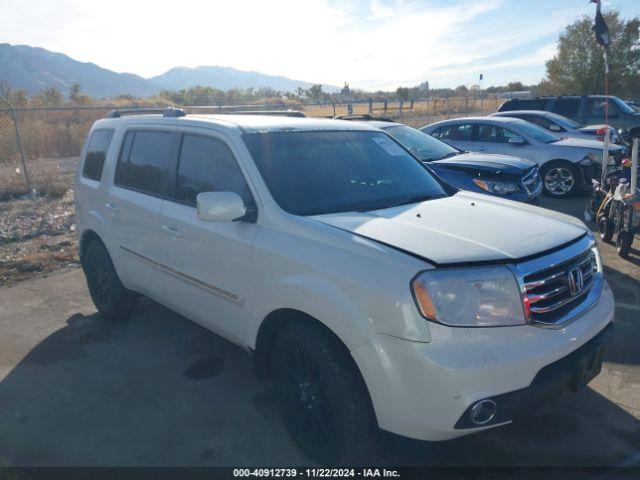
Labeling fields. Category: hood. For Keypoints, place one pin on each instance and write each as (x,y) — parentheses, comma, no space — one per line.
(479,162)
(465,227)
(585,143)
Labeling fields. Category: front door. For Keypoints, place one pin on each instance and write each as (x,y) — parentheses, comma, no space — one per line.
(208,275)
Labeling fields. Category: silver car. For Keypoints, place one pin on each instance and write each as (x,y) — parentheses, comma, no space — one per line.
(566,165)
(561,126)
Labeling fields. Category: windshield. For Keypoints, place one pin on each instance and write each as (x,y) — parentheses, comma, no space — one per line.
(622,106)
(534,131)
(423,146)
(316,172)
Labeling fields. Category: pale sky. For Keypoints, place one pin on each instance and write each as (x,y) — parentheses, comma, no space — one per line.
(372,44)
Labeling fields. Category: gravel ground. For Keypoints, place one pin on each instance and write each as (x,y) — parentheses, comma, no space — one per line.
(36,236)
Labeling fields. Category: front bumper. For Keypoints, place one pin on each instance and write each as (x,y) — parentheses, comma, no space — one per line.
(422,390)
(554,380)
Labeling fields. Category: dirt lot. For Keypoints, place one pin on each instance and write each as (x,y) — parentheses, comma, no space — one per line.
(158,390)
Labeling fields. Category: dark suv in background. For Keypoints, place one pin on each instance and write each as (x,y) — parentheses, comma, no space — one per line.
(586,110)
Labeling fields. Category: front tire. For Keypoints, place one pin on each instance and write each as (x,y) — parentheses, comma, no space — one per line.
(560,179)
(623,242)
(321,396)
(109,296)
(606,228)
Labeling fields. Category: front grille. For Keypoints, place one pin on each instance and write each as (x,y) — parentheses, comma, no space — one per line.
(554,291)
(531,181)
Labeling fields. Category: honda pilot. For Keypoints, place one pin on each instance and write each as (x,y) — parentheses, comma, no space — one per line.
(370,292)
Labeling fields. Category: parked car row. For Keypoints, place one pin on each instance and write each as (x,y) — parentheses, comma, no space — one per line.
(371,291)
(566,165)
(585,110)
(562,126)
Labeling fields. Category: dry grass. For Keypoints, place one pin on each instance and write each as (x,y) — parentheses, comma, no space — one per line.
(433,109)
(45,177)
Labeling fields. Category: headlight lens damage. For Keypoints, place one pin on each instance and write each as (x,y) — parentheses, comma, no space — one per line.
(470,297)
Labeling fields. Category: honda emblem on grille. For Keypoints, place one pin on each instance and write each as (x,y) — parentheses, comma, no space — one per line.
(575,280)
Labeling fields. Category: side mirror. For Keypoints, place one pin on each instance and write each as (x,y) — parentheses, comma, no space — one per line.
(555,128)
(517,140)
(220,206)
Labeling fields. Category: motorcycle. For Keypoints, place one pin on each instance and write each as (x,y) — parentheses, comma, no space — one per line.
(615,202)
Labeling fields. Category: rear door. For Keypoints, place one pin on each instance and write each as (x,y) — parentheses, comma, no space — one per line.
(135,200)
(459,135)
(208,263)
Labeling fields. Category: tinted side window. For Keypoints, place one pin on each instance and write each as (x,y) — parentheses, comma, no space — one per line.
(455,132)
(96,153)
(207,165)
(145,163)
(566,106)
(493,134)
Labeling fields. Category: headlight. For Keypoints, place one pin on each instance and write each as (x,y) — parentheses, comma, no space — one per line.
(469,297)
(499,188)
(595,254)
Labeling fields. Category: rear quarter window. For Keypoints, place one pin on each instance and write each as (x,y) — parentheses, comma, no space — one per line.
(97,149)
(523,104)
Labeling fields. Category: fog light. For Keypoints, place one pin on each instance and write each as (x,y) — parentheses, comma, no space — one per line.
(483,411)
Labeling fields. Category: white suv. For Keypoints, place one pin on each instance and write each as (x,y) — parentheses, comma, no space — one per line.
(373,294)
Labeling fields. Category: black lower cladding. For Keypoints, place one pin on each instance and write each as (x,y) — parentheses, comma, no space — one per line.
(550,382)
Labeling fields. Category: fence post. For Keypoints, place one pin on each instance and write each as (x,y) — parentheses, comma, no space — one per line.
(401,103)
(385,105)
(14,117)
(334,108)
(370,107)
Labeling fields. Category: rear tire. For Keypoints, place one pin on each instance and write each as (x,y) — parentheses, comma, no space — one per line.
(560,179)
(109,296)
(322,396)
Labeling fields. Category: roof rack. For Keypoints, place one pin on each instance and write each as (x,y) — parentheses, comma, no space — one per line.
(281,113)
(165,111)
(363,116)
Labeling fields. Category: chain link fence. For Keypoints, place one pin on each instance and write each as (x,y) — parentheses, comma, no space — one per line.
(39,146)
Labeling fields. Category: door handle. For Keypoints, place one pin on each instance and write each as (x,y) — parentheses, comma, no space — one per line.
(113,208)
(171,230)
(482,149)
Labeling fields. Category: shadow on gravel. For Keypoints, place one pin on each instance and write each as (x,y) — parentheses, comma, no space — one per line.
(160,390)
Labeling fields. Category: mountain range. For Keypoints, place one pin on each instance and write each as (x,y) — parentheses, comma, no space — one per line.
(33,69)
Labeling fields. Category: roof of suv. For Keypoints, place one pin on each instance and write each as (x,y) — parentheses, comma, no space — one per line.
(247,123)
